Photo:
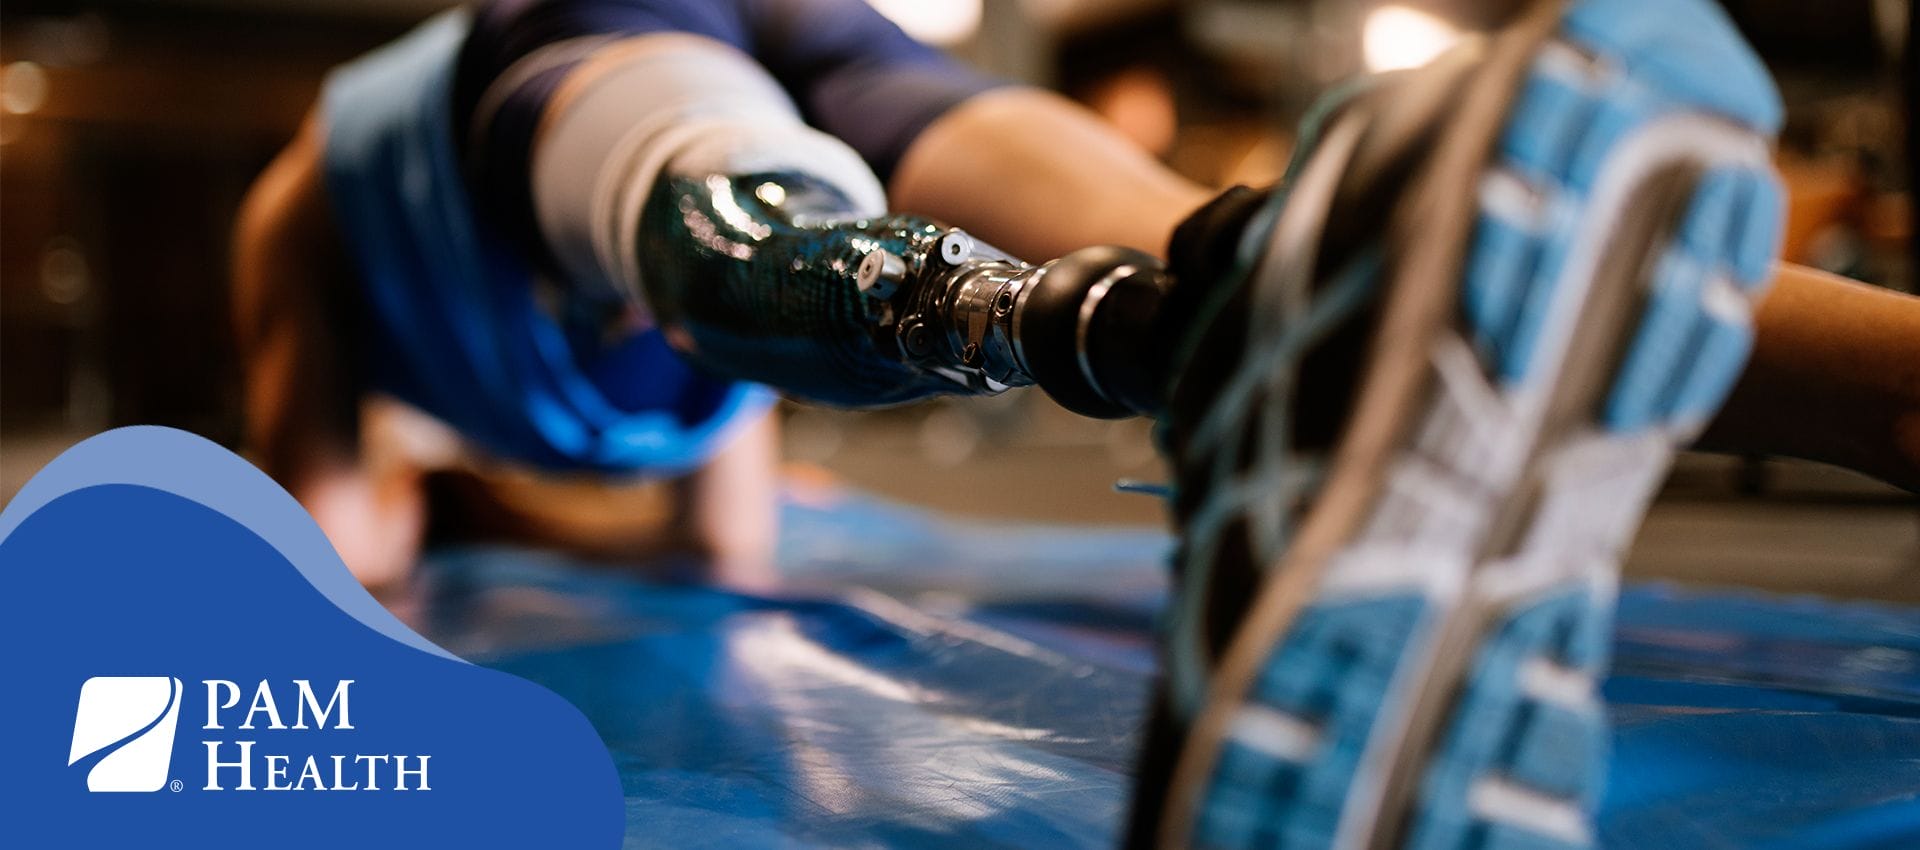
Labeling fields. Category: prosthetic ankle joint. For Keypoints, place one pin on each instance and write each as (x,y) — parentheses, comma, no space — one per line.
(1078,326)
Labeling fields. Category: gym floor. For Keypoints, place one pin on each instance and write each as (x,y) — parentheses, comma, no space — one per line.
(1783,526)
(1780,526)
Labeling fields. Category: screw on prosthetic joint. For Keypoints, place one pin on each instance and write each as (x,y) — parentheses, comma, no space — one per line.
(934,304)
(1080,327)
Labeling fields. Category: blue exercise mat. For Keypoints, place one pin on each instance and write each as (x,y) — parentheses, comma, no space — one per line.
(940,684)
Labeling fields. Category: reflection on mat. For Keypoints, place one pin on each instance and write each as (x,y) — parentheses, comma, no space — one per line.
(945,685)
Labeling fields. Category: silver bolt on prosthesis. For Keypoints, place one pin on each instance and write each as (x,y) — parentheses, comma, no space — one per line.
(881,274)
(1080,327)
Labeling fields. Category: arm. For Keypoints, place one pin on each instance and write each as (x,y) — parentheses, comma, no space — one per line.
(728,509)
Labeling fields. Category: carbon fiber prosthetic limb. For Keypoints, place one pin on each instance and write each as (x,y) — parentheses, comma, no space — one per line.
(676,174)
(769,277)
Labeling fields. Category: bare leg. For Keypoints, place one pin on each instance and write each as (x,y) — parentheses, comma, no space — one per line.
(1834,377)
(1040,176)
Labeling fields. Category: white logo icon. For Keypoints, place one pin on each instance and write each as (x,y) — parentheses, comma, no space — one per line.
(132,719)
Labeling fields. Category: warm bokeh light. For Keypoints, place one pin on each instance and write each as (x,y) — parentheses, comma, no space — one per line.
(23,87)
(1395,37)
(942,22)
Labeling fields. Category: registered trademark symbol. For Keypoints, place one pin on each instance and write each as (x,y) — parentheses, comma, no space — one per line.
(175,786)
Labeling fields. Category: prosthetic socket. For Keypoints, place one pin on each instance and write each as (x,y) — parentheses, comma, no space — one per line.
(767,277)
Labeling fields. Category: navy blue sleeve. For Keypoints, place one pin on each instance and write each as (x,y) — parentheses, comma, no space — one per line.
(854,74)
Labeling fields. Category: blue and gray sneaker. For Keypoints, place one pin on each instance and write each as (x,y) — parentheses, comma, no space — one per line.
(1419,416)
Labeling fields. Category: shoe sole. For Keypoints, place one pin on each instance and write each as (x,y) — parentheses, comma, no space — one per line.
(1420,671)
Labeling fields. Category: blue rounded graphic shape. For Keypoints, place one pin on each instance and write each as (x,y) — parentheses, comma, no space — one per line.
(120,579)
(196,468)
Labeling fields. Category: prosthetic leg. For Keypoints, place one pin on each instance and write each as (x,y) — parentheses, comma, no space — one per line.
(679,178)
(767,277)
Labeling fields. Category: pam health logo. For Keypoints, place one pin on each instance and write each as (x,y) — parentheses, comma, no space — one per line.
(124,729)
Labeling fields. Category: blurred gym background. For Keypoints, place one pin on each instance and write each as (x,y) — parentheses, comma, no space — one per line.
(129,130)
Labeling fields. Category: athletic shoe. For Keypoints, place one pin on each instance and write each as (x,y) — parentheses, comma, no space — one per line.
(1420,418)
